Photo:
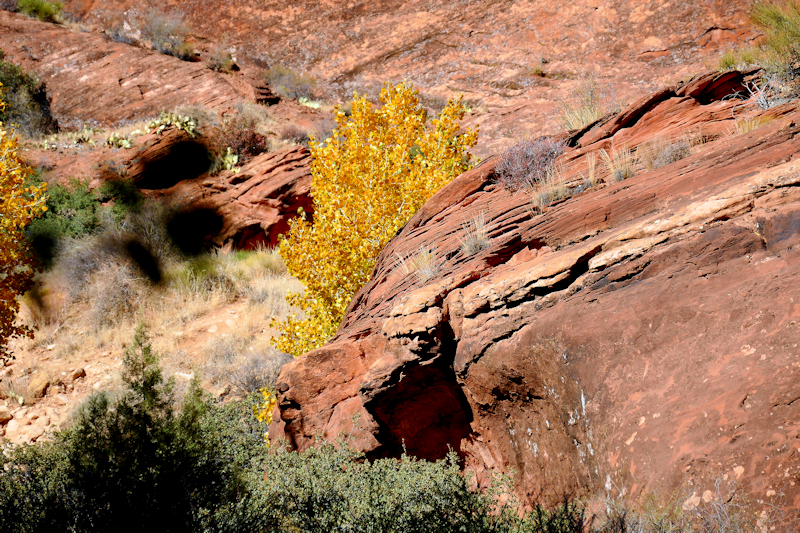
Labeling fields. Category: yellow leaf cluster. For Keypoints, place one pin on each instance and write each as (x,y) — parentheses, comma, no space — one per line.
(377,169)
(263,411)
(19,205)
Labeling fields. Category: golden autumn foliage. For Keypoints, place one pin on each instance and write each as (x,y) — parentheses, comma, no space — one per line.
(19,205)
(377,169)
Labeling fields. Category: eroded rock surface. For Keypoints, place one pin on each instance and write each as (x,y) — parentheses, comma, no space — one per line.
(93,79)
(639,335)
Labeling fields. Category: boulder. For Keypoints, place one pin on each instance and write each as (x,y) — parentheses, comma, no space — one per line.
(38,384)
(632,337)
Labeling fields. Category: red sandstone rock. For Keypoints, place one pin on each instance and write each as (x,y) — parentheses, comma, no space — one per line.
(638,335)
(489,51)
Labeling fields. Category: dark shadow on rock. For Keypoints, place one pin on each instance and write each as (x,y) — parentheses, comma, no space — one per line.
(193,231)
(144,259)
(185,160)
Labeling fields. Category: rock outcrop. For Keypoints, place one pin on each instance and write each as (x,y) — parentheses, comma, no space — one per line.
(93,79)
(639,335)
(513,60)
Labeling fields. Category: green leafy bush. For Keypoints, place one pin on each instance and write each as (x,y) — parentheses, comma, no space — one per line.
(167,32)
(41,9)
(27,108)
(286,82)
(138,458)
(133,459)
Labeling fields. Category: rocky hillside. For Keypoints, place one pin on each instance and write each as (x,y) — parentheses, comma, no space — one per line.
(515,61)
(634,337)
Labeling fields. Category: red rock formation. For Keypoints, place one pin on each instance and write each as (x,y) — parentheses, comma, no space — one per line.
(490,51)
(637,335)
(97,80)
(255,204)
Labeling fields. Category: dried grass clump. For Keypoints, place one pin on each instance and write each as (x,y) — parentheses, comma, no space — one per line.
(620,163)
(660,152)
(527,162)
(476,236)
(424,264)
(587,103)
(549,190)
(288,83)
(743,126)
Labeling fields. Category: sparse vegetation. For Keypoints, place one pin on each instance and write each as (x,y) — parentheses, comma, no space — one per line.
(660,152)
(221,59)
(423,264)
(41,9)
(587,103)
(27,109)
(167,32)
(620,163)
(287,83)
(780,22)
(476,237)
(748,124)
(527,162)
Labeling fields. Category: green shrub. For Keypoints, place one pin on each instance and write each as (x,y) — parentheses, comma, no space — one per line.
(27,107)
(780,22)
(167,32)
(286,82)
(71,212)
(41,9)
(138,458)
(133,459)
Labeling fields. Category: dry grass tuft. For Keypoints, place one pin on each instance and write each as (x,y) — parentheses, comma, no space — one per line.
(588,103)
(743,126)
(476,237)
(424,264)
(620,163)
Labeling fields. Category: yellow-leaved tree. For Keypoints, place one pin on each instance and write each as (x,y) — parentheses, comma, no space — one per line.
(19,205)
(377,169)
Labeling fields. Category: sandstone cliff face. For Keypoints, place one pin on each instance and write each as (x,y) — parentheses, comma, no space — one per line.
(93,79)
(489,51)
(636,336)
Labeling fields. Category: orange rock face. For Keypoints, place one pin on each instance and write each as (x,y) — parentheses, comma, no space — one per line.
(515,60)
(638,335)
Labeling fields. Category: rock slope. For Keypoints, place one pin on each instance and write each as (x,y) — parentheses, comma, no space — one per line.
(515,60)
(92,79)
(638,336)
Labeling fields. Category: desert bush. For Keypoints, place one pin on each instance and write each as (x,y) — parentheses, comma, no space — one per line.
(258,370)
(423,264)
(377,170)
(114,291)
(240,132)
(41,9)
(527,162)
(288,83)
(71,212)
(27,108)
(476,237)
(295,135)
(167,32)
(587,103)
(660,152)
(9,5)
(221,59)
(620,163)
